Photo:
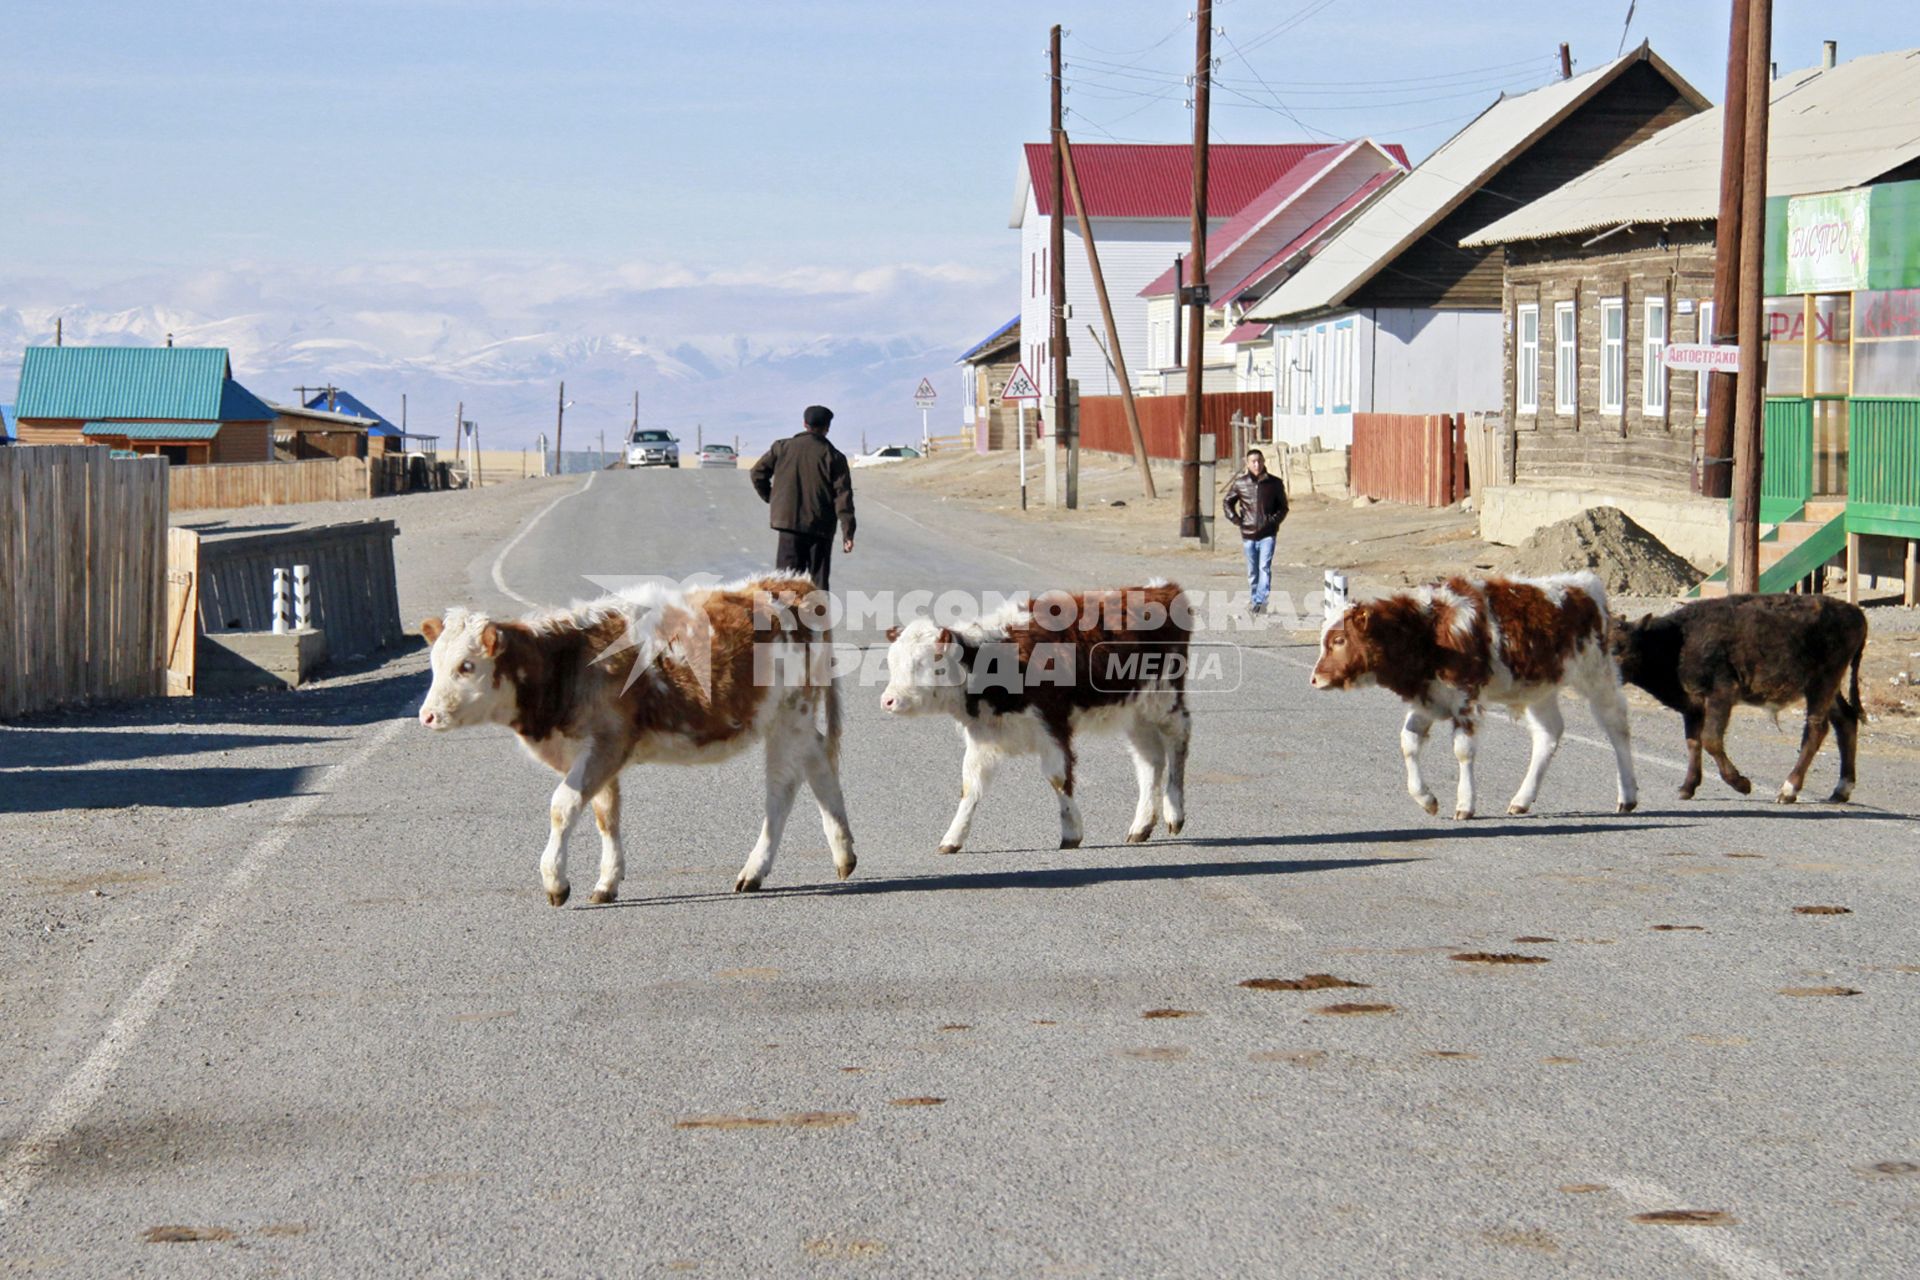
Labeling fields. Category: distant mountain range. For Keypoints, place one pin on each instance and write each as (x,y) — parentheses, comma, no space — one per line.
(741,359)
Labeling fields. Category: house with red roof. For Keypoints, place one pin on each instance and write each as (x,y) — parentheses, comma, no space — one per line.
(1258,248)
(1139,200)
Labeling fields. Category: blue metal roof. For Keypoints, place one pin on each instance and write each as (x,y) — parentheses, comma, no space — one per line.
(135,383)
(347,402)
(6,422)
(154,430)
(992,340)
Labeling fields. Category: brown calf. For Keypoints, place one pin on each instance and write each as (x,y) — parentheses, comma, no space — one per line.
(652,676)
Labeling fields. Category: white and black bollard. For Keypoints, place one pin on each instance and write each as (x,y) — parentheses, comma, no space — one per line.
(302,598)
(279,602)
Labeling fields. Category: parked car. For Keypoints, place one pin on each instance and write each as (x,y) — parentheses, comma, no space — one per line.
(651,448)
(719,455)
(886,454)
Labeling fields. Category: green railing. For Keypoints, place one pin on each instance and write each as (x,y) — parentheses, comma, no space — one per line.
(1883,477)
(1786,471)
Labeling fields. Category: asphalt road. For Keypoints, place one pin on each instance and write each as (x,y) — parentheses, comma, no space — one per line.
(324,1023)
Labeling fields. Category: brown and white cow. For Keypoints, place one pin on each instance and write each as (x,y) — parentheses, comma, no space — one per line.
(653,676)
(1449,648)
(1028,678)
(1707,657)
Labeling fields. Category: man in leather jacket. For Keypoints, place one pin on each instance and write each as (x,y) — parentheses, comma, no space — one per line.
(1257,502)
(807,483)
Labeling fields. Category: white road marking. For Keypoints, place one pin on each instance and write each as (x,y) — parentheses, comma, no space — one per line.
(1716,1244)
(945,537)
(499,578)
(1639,756)
(81,1090)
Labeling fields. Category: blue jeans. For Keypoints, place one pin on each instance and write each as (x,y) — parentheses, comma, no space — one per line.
(1259,567)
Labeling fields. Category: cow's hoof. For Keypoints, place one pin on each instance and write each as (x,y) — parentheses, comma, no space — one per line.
(1175,828)
(1430,803)
(1628,806)
(1519,810)
(1462,815)
(1787,796)
(1842,795)
(558,897)
(1743,785)
(1686,793)
(746,884)
(1139,837)
(601,897)
(1066,843)
(949,848)
(845,869)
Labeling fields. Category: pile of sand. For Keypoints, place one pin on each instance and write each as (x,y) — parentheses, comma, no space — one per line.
(1629,560)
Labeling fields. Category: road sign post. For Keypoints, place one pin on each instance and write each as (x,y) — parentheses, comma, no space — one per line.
(924,395)
(1020,388)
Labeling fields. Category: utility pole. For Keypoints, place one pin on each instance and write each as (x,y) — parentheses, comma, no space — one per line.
(1716,442)
(1197,296)
(1114,355)
(559,425)
(636,411)
(1566,62)
(1063,424)
(59,330)
(459,426)
(1743,566)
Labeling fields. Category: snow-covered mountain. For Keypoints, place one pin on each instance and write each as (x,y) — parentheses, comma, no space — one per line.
(738,354)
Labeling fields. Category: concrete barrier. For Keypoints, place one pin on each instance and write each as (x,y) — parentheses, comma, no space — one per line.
(1696,528)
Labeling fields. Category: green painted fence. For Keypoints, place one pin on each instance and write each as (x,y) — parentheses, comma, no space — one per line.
(1883,477)
(1786,472)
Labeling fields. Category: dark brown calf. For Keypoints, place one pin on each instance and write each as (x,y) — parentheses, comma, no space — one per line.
(1706,657)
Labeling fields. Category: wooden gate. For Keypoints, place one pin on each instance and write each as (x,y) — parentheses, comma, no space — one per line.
(183,610)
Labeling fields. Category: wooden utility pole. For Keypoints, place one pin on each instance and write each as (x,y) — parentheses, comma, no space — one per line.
(1196,293)
(1114,354)
(636,411)
(1743,566)
(1716,442)
(1064,426)
(559,425)
(459,426)
(1566,62)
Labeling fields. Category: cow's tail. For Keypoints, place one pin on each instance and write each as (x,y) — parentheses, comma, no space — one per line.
(1853,692)
(835,712)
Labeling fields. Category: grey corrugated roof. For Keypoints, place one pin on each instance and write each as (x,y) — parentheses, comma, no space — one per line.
(1412,206)
(1828,130)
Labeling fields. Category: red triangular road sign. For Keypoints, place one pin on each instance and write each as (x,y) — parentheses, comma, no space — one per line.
(924,391)
(1020,386)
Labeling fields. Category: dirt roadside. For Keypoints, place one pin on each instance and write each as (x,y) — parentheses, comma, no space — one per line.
(1382,547)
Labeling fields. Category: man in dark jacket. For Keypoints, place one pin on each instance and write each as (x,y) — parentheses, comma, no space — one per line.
(1257,502)
(808,485)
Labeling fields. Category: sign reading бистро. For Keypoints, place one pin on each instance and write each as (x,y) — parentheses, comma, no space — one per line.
(1827,242)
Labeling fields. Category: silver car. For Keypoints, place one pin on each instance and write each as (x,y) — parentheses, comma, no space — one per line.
(651,448)
(720,455)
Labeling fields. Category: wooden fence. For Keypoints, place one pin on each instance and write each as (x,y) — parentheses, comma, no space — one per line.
(269,484)
(1418,459)
(82,576)
(1103,421)
(355,599)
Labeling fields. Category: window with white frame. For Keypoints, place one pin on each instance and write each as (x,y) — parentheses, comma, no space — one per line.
(1343,367)
(1703,380)
(1318,372)
(1653,368)
(1566,360)
(1526,354)
(1613,355)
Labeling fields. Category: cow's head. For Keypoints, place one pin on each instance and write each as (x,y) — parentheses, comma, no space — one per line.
(1347,651)
(924,672)
(468,686)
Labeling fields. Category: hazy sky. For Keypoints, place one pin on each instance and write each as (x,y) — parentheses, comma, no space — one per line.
(772,136)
